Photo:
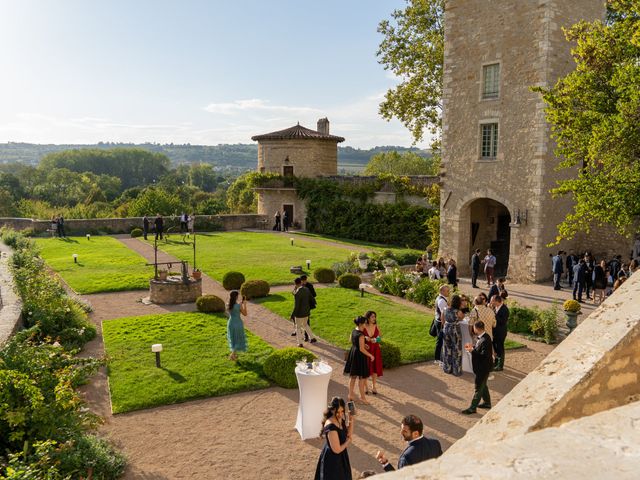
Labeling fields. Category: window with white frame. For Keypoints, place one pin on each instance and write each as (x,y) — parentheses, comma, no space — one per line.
(491,80)
(489,141)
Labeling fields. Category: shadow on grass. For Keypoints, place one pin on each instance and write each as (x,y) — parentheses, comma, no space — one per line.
(68,240)
(175,376)
(273,298)
(252,364)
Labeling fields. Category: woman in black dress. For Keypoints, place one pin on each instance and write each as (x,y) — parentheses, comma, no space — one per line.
(599,282)
(357,365)
(333,463)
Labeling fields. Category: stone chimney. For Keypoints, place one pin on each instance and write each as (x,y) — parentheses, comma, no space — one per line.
(323,126)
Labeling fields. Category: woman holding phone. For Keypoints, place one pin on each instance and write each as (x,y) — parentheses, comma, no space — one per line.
(357,365)
(235,328)
(333,463)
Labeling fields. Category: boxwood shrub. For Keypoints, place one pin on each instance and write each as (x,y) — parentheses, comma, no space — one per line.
(232,280)
(136,232)
(281,364)
(349,280)
(254,289)
(210,304)
(390,354)
(521,318)
(324,275)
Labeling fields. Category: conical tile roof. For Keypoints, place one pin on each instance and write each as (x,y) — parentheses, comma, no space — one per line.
(297,132)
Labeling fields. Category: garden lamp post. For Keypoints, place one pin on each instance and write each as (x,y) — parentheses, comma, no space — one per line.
(88,236)
(308,264)
(291,240)
(157,348)
(362,287)
(75,258)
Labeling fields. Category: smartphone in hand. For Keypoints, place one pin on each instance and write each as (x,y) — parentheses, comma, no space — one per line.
(351,406)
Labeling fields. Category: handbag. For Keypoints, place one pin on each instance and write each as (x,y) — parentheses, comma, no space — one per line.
(433,329)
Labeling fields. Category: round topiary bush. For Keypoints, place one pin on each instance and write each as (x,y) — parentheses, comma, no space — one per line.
(136,232)
(324,275)
(254,289)
(210,304)
(349,280)
(281,364)
(390,354)
(232,280)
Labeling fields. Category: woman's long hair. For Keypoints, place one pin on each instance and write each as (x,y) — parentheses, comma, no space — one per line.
(233,299)
(369,314)
(332,408)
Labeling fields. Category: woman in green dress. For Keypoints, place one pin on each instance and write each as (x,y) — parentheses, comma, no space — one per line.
(235,328)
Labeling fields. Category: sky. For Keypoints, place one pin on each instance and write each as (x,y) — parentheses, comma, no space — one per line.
(192,71)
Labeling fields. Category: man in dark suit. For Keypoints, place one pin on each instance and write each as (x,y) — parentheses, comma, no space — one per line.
(500,330)
(312,304)
(481,354)
(418,450)
(301,309)
(475,268)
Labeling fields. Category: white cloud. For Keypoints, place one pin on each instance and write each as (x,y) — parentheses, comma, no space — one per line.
(254,105)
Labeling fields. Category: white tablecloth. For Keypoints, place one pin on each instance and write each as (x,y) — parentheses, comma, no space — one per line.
(466,338)
(313,385)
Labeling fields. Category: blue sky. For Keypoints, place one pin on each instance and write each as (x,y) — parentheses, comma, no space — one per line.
(200,72)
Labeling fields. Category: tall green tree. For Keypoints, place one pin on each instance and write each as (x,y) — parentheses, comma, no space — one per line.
(595,116)
(241,198)
(406,163)
(413,50)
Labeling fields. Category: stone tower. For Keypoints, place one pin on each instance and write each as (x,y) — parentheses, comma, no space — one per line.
(498,159)
(295,151)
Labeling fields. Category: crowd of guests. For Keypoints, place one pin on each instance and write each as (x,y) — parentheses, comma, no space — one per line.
(57,226)
(596,279)
(187,225)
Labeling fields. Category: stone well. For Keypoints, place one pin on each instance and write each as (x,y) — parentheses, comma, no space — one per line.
(174,290)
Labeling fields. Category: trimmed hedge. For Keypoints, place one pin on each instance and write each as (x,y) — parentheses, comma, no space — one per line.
(210,304)
(390,354)
(136,232)
(254,289)
(324,275)
(281,364)
(349,280)
(232,280)
(521,318)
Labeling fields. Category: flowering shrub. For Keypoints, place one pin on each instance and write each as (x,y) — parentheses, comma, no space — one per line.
(425,291)
(396,283)
(571,306)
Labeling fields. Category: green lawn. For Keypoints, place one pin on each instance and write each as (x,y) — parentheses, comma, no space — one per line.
(194,360)
(259,256)
(337,307)
(104,264)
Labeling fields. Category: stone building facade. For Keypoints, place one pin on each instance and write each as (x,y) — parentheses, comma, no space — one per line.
(498,155)
(295,151)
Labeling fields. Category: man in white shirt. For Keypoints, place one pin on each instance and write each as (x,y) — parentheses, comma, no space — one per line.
(441,307)
(434,271)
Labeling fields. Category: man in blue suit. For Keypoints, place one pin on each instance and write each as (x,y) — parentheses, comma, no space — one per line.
(556,268)
(419,448)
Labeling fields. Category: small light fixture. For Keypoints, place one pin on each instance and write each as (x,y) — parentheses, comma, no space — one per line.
(88,236)
(75,258)
(291,240)
(157,348)
(362,286)
(308,264)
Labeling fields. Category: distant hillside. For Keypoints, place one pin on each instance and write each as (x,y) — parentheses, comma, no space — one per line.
(237,157)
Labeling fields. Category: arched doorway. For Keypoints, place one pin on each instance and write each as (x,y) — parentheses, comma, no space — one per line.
(489,228)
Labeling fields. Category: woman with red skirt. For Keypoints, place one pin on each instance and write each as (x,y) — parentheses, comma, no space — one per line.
(372,343)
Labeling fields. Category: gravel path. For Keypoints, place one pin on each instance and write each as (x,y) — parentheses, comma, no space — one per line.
(250,434)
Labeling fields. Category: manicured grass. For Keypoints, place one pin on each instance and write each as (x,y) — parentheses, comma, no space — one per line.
(194,360)
(259,256)
(337,307)
(104,264)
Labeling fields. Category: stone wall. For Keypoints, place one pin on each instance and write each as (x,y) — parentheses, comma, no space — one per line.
(272,200)
(309,158)
(525,38)
(125,225)
(10,302)
(577,415)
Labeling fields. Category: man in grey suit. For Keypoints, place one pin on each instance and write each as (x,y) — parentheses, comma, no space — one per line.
(419,447)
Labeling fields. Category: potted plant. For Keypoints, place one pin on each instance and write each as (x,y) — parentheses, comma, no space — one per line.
(571,310)
(389,264)
(196,274)
(162,273)
(363,260)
